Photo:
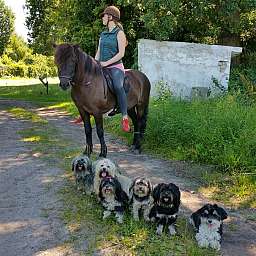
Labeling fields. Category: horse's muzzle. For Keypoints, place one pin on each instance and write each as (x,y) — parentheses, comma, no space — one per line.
(65,84)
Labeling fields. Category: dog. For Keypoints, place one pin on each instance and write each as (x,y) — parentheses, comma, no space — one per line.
(82,169)
(113,198)
(106,167)
(141,198)
(208,222)
(103,168)
(166,206)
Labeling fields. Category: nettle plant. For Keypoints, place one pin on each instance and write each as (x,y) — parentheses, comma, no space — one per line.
(163,91)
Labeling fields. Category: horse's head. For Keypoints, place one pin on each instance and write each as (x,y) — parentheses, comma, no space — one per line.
(66,60)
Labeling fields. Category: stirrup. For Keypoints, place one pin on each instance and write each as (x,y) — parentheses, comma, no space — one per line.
(114,112)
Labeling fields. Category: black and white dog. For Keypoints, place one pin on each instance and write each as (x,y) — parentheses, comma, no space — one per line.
(141,198)
(82,169)
(208,222)
(113,198)
(166,206)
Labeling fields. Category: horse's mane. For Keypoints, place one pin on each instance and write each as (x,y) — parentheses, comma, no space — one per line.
(66,51)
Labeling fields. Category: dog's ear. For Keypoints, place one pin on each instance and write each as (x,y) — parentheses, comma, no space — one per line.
(100,190)
(74,164)
(203,209)
(176,192)
(156,192)
(132,186)
(150,187)
(222,213)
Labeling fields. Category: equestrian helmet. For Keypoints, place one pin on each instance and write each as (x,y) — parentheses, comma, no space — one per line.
(113,11)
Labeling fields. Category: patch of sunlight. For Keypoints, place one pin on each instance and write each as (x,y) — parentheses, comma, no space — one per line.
(22,113)
(135,239)
(61,105)
(209,191)
(32,139)
(74,227)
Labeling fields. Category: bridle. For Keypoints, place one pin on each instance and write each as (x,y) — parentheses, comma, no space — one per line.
(71,78)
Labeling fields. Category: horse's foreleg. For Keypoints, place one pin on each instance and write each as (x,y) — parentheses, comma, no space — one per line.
(100,133)
(88,133)
(132,114)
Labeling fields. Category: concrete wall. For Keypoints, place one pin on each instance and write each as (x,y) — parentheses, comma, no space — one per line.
(185,65)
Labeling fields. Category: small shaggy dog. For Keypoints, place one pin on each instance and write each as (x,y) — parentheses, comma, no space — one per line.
(82,168)
(166,206)
(208,222)
(113,198)
(103,168)
(141,198)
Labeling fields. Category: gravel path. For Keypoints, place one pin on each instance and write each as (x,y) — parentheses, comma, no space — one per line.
(29,207)
(239,234)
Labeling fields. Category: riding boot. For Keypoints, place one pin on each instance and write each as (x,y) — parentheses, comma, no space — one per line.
(115,111)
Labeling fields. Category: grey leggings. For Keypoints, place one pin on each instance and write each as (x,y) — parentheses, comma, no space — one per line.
(118,83)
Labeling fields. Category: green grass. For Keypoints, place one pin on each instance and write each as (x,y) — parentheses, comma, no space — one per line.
(83,214)
(219,132)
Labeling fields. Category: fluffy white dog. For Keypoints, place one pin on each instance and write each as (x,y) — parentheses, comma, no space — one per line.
(107,168)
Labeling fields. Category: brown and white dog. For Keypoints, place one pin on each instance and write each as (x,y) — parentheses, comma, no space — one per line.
(141,197)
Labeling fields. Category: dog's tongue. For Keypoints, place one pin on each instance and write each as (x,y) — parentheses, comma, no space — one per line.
(103,174)
(166,199)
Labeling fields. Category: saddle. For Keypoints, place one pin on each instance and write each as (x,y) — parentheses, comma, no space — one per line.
(109,81)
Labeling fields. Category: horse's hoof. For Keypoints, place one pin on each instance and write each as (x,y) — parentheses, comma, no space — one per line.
(132,148)
(103,155)
(136,151)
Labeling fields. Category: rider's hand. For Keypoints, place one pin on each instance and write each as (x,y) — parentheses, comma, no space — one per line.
(104,63)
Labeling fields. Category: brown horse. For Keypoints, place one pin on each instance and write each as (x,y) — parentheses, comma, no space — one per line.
(92,95)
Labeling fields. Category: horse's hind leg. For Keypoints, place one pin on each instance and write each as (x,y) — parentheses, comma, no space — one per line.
(100,133)
(132,114)
(142,112)
(88,133)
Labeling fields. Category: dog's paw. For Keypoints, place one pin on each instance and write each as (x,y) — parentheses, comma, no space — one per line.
(106,214)
(159,230)
(119,218)
(172,230)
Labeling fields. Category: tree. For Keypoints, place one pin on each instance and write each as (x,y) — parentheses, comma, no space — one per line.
(6,25)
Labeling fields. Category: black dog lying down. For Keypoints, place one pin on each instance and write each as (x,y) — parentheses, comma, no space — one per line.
(166,206)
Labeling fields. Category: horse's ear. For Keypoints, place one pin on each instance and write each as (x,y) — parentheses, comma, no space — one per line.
(76,46)
(54,45)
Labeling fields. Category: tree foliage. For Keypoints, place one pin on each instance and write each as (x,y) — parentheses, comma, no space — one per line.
(19,60)
(204,21)
(6,25)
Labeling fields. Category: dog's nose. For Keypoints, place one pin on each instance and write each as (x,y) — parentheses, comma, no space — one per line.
(210,221)
(104,169)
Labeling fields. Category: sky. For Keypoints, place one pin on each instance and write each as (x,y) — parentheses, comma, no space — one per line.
(17,8)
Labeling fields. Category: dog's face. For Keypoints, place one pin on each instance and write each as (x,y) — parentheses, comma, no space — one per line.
(141,187)
(167,195)
(105,168)
(212,215)
(81,165)
(108,187)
